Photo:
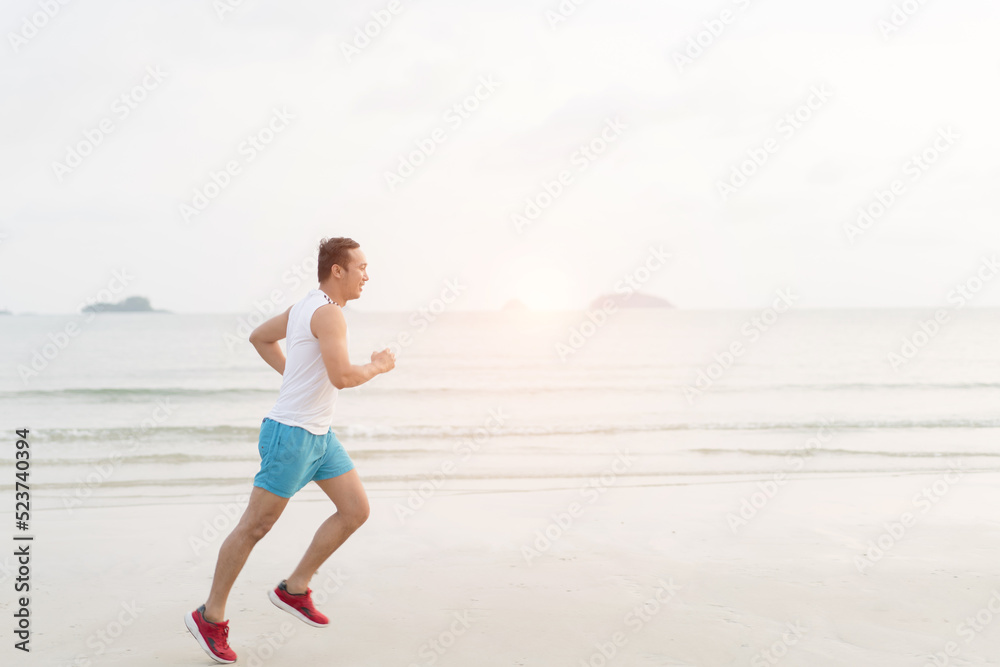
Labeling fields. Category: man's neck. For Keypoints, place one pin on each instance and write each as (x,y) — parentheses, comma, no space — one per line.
(336,298)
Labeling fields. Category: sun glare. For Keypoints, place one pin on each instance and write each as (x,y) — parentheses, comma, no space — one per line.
(543,288)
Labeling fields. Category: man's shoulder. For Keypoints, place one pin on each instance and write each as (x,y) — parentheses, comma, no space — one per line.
(315,300)
(327,318)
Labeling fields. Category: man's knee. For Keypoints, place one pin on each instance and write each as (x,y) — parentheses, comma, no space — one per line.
(261,513)
(255,529)
(357,514)
(363,513)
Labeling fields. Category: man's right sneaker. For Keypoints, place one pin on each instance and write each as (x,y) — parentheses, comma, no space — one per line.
(213,637)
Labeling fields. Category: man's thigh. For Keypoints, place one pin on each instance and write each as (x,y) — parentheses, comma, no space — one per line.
(346,491)
(263,507)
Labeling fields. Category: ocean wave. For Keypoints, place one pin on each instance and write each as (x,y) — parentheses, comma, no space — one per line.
(196,434)
(179,458)
(145,393)
(107,394)
(178,433)
(209,486)
(841,452)
(375,432)
(852,386)
(250,455)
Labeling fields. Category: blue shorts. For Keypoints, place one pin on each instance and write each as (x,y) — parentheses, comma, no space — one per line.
(291,457)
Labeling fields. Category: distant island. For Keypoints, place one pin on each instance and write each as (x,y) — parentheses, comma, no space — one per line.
(515,305)
(634,300)
(5,312)
(133,304)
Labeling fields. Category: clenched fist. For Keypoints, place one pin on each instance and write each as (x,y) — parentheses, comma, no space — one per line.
(384,360)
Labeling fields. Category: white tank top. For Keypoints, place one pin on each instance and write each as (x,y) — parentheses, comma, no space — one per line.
(307,396)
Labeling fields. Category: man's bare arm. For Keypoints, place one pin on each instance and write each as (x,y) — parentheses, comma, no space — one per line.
(330,327)
(265,339)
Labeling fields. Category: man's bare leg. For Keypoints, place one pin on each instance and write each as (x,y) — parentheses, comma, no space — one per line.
(263,509)
(349,496)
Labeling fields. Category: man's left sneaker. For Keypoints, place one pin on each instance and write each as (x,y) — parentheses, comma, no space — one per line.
(300,606)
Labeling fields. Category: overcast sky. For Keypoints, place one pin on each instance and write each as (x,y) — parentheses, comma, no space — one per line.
(339,119)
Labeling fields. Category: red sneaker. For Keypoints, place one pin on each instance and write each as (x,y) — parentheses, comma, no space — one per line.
(299,606)
(213,637)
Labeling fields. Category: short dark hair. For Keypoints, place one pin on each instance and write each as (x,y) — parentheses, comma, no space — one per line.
(334,251)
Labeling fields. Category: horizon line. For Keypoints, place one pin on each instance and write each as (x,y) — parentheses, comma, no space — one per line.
(503,310)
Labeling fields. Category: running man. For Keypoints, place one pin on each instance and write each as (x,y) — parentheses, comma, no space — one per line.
(297,445)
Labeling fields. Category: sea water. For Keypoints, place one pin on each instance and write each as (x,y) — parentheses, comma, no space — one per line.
(150,407)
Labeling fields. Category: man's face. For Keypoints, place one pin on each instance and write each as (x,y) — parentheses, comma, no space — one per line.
(357,273)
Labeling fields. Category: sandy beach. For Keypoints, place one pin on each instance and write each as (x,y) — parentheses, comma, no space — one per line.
(649,575)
